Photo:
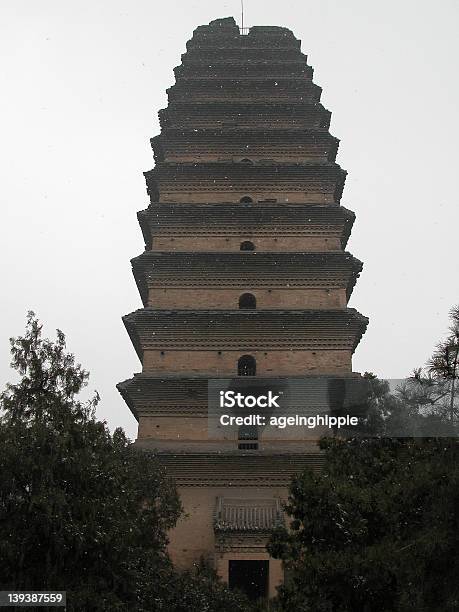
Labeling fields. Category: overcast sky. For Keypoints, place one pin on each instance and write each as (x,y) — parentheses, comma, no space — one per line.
(81,84)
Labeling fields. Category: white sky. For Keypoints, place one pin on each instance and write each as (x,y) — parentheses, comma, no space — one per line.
(81,84)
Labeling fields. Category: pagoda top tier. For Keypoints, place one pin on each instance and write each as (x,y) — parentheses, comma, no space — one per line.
(243,81)
(225,32)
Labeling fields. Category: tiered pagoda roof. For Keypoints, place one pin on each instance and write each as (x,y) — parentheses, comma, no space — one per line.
(238,469)
(313,270)
(314,183)
(165,394)
(244,151)
(248,515)
(260,115)
(224,145)
(269,219)
(150,328)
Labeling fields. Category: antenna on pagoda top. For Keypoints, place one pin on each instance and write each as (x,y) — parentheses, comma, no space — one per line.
(243,30)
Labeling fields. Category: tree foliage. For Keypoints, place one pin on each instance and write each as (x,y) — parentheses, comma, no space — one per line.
(376,531)
(82,509)
(435,385)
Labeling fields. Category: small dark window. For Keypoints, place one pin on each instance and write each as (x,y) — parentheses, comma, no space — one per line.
(247,446)
(247,301)
(246,200)
(247,161)
(247,246)
(246,366)
(248,437)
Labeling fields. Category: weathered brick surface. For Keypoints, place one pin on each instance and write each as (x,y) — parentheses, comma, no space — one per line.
(229,298)
(271,363)
(165,428)
(194,537)
(322,194)
(279,243)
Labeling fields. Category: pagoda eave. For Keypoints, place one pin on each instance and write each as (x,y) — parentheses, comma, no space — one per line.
(237,469)
(245,330)
(258,145)
(245,269)
(186,219)
(166,394)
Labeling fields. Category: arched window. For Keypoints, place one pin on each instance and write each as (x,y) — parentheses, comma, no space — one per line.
(246,366)
(246,200)
(247,246)
(247,301)
(247,161)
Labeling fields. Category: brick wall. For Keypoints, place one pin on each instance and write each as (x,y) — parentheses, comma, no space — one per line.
(193,298)
(300,244)
(271,363)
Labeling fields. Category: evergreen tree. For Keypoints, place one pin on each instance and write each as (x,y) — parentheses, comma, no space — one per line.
(376,531)
(81,509)
(436,386)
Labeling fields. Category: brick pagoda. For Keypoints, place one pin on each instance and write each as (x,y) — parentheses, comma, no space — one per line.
(244,273)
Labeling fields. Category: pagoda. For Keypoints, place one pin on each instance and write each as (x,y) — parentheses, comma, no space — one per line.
(244,273)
